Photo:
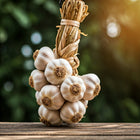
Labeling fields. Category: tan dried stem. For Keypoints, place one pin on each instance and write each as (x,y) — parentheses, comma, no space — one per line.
(68,37)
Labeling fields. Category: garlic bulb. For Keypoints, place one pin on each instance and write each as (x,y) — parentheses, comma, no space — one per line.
(85,102)
(73,88)
(72,112)
(49,117)
(37,80)
(57,70)
(38,98)
(92,83)
(51,97)
(42,57)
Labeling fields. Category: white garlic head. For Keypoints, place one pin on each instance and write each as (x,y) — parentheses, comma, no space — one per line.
(51,97)
(37,80)
(73,88)
(49,117)
(57,71)
(72,112)
(92,83)
(42,57)
(38,98)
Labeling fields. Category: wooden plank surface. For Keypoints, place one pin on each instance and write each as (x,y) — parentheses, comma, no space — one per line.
(79,131)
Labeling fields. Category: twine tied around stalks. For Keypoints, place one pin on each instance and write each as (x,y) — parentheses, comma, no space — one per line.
(73,12)
(70,23)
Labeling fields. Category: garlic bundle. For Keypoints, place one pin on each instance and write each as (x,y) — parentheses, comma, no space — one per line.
(61,96)
(37,80)
(51,97)
(72,112)
(57,70)
(73,88)
(56,85)
(49,117)
(92,83)
(42,57)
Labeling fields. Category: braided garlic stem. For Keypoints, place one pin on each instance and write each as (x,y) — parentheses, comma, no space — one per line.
(73,12)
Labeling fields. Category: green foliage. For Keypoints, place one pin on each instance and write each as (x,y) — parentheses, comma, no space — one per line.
(115,60)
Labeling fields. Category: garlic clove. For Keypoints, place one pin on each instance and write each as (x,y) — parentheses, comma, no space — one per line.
(72,112)
(37,80)
(57,71)
(92,83)
(38,98)
(49,117)
(73,88)
(42,57)
(51,97)
(85,102)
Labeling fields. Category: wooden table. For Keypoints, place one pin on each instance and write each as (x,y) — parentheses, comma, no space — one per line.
(34,131)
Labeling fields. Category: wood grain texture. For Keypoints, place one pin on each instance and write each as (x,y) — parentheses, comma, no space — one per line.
(78,131)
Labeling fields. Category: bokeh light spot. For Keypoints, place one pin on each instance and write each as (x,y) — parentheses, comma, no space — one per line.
(36,38)
(8,86)
(29,64)
(26,51)
(133,0)
(113,29)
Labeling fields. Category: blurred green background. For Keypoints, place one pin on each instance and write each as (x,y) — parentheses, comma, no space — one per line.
(111,50)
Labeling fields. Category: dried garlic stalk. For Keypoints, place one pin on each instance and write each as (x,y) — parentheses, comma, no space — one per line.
(68,36)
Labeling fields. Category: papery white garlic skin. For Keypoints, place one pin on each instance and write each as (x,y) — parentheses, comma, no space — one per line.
(93,76)
(73,88)
(85,102)
(49,117)
(51,97)
(72,112)
(92,83)
(37,80)
(38,98)
(43,57)
(57,71)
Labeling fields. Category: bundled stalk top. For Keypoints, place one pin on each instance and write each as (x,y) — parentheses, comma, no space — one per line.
(73,12)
